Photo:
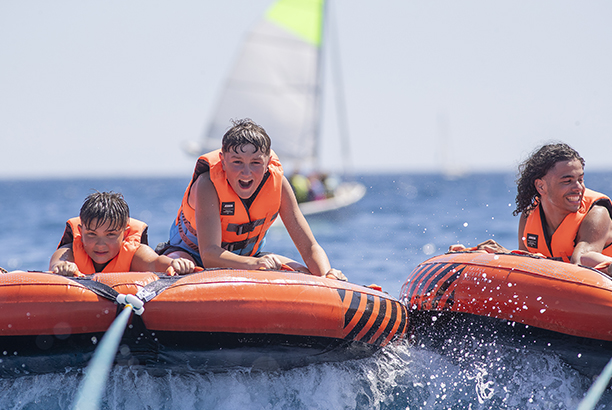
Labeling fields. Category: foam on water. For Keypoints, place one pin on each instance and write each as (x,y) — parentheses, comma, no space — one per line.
(398,377)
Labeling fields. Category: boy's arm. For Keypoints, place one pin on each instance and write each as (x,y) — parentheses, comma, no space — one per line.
(594,232)
(205,201)
(311,252)
(62,262)
(597,260)
(147,260)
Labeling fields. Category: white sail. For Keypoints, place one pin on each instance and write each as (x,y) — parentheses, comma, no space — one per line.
(275,80)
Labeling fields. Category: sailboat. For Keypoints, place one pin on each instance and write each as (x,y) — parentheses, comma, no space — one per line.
(277,82)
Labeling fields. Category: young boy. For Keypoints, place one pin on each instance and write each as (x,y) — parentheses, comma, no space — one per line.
(234,196)
(105,239)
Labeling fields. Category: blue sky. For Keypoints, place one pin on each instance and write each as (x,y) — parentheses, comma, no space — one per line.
(116,88)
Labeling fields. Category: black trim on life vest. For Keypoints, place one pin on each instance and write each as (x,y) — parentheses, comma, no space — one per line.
(547,234)
(245,227)
(232,246)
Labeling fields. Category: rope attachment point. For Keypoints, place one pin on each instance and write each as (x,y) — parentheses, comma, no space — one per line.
(136,304)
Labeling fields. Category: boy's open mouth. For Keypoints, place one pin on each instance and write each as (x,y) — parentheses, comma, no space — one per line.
(245,184)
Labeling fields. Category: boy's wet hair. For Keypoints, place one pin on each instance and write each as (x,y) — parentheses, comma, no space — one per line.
(101,207)
(244,132)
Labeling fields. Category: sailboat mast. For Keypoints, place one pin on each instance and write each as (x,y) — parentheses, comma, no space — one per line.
(318,93)
(330,48)
(341,112)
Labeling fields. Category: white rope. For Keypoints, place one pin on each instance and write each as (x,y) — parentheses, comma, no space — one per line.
(92,386)
(597,389)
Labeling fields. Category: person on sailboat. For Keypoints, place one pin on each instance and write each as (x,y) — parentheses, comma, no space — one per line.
(234,196)
(300,185)
(318,190)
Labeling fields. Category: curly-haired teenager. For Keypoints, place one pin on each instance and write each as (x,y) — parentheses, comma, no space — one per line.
(560,217)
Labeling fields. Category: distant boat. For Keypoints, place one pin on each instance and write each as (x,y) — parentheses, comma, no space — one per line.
(277,81)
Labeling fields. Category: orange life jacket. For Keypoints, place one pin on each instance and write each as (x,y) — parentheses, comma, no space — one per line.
(243,229)
(120,263)
(562,243)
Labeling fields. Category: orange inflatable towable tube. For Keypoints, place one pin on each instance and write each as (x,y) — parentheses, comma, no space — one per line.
(209,319)
(520,300)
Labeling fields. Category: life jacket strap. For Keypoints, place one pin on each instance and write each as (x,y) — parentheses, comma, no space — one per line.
(247,227)
(233,246)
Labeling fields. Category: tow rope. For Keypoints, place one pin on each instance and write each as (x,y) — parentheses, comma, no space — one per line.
(91,388)
(597,389)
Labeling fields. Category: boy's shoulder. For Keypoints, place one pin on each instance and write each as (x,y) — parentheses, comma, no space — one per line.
(68,236)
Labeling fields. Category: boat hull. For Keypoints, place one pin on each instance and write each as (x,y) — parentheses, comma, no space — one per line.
(345,194)
(515,300)
(207,320)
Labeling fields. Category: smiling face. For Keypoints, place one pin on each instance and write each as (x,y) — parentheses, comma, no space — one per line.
(244,169)
(102,243)
(562,188)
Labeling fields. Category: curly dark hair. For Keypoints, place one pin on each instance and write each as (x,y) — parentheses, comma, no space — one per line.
(100,207)
(535,167)
(244,132)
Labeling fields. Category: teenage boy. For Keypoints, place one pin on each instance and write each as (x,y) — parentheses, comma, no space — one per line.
(234,196)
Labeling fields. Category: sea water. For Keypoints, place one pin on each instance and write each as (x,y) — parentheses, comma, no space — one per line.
(402,220)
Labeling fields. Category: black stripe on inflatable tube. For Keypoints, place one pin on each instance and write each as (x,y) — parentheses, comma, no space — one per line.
(421,275)
(342,293)
(416,276)
(382,310)
(450,301)
(352,310)
(444,286)
(441,272)
(365,316)
(389,327)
